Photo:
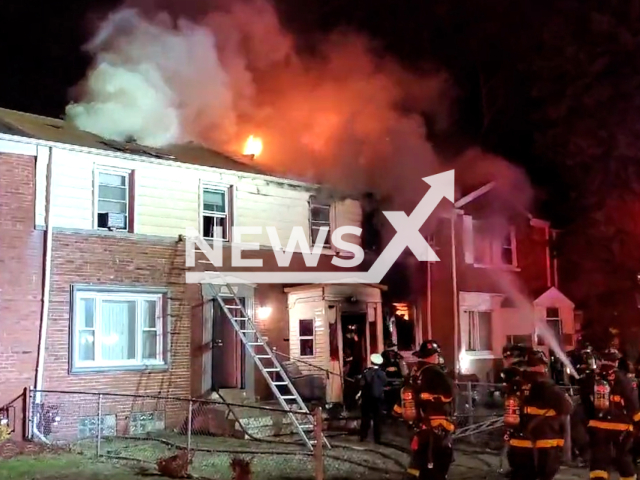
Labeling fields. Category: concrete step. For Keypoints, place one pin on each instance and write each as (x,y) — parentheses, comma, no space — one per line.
(254,416)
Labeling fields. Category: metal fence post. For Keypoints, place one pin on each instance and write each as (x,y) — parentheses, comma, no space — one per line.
(319,459)
(471,408)
(99,424)
(568,449)
(189,421)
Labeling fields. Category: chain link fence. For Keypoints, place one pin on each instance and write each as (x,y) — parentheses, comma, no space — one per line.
(213,438)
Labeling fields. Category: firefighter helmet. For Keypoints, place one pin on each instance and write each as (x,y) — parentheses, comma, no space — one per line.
(427,349)
(376,359)
(611,356)
(536,358)
(514,351)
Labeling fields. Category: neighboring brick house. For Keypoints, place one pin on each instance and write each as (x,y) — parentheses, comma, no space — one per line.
(472,305)
(21,261)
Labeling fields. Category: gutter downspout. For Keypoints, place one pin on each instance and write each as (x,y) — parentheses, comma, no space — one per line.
(48,240)
(429,332)
(548,255)
(454,274)
(555,259)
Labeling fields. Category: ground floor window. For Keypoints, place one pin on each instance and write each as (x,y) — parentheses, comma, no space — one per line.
(520,340)
(307,337)
(479,331)
(114,328)
(404,323)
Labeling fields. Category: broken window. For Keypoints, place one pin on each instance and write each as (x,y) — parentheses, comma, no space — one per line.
(488,249)
(215,213)
(371,237)
(405,327)
(319,219)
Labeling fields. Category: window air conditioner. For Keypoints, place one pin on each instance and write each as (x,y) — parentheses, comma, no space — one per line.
(112,221)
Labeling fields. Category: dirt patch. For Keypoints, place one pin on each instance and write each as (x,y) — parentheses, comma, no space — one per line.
(11,449)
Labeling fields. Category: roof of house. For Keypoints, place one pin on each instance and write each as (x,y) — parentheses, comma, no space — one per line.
(55,130)
(486,199)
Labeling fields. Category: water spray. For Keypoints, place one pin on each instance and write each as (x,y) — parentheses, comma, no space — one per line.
(507,285)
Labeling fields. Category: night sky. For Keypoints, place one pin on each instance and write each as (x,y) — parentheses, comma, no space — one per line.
(43,58)
(549,85)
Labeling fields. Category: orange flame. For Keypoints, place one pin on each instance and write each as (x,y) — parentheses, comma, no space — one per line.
(253,146)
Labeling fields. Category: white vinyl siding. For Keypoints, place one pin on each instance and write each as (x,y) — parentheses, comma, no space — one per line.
(166,197)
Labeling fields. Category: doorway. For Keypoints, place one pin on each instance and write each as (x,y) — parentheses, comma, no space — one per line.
(354,354)
(228,369)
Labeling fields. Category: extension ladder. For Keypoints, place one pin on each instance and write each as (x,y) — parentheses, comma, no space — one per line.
(265,360)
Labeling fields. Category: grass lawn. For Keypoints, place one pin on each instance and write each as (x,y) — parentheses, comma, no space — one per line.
(65,466)
(268,461)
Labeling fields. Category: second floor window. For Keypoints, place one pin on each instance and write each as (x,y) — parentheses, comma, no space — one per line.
(215,213)
(319,217)
(112,199)
(489,250)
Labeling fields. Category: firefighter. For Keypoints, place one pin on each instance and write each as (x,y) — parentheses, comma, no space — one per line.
(372,384)
(585,363)
(427,404)
(514,357)
(535,446)
(612,409)
(394,367)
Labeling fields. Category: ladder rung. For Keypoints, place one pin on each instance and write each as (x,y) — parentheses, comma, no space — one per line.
(289,397)
(247,331)
(271,369)
(244,319)
(280,383)
(263,356)
(254,343)
(233,306)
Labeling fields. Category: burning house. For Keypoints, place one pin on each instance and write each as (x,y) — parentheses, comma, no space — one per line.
(105,222)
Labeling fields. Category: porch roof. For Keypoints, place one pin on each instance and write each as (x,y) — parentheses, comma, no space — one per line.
(302,288)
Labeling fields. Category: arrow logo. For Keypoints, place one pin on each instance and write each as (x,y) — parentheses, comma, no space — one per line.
(407,235)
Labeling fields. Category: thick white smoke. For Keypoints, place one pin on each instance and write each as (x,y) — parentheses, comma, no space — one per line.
(344,116)
(150,82)
(341,116)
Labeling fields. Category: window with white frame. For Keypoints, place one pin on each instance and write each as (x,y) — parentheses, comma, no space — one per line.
(215,212)
(489,250)
(479,331)
(306,336)
(554,322)
(112,198)
(319,218)
(116,329)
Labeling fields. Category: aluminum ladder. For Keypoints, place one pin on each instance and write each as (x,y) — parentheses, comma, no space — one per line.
(261,353)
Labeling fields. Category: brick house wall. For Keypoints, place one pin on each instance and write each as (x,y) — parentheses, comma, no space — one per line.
(21,265)
(116,259)
(531,252)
